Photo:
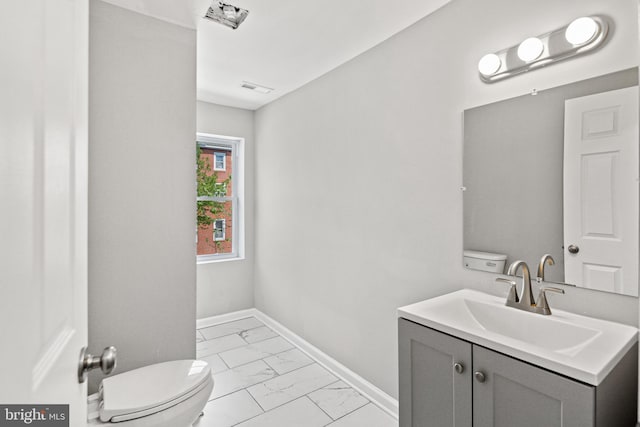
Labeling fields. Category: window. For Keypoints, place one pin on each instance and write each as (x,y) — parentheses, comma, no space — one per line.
(219,161)
(219,230)
(220,225)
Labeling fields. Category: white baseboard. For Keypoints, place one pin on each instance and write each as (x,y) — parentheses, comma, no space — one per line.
(364,387)
(224,318)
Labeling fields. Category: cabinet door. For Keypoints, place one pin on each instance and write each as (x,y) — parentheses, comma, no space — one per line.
(515,393)
(432,392)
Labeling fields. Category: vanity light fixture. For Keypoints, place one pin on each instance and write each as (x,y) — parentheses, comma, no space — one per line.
(582,35)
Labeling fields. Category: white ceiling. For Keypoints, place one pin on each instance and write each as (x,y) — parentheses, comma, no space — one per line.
(283,44)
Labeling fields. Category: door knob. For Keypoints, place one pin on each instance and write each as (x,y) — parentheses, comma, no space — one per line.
(459,367)
(106,362)
(573,249)
(480,377)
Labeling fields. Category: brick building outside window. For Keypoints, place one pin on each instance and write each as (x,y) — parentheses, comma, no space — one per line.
(215,200)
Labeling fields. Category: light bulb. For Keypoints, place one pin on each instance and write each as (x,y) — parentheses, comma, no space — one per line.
(530,49)
(581,30)
(489,64)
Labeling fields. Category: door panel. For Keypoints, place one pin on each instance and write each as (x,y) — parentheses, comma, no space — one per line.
(432,393)
(601,191)
(43,170)
(518,394)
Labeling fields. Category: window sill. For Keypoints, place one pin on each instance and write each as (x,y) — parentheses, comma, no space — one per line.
(208,259)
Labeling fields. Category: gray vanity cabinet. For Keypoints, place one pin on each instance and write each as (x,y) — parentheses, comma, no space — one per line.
(490,389)
(432,392)
(515,393)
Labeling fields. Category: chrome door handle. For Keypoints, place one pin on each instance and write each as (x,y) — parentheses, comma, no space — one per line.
(459,367)
(480,377)
(106,362)
(573,249)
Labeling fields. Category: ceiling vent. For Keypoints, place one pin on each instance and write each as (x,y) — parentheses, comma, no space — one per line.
(256,87)
(226,14)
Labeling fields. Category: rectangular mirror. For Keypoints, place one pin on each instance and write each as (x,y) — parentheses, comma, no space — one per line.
(556,172)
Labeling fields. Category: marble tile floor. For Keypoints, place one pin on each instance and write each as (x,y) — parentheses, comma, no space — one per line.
(262,380)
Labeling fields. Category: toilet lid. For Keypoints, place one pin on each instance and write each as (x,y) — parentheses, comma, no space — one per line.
(153,386)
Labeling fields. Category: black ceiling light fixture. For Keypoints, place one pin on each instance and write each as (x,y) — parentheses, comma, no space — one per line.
(226,14)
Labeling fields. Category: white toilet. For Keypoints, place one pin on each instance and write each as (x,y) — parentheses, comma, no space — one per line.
(169,394)
(485,261)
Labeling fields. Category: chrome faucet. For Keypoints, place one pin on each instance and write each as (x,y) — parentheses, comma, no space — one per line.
(526,302)
(546,259)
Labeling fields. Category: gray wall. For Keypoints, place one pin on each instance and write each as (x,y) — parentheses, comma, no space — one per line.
(513,172)
(227,286)
(142,109)
(358,207)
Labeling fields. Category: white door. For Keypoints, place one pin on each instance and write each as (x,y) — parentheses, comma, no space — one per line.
(601,191)
(43,197)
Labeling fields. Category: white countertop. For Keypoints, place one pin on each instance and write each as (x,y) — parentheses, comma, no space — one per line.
(579,347)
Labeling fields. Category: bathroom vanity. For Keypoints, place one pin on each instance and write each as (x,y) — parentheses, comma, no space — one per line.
(467,360)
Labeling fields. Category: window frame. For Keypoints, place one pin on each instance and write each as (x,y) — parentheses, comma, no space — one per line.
(212,141)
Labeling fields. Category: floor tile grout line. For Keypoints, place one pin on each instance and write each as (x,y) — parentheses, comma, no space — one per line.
(264,412)
(304,395)
(262,358)
(257,342)
(232,333)
(223,362)
(265,326)
(284,404)
(311,362)
(275,376)
(246,388)
(331,420)
(276,373)
(243,388)
(249,363)
(254,399)
(238,391)
(319,407)
(250,418)
(295,347)
(344,415)
(232,348)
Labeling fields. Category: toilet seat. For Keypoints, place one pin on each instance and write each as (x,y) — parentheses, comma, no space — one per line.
(151,389)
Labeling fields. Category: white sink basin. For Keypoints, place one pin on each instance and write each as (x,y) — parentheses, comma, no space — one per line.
(542,331)
(579,347)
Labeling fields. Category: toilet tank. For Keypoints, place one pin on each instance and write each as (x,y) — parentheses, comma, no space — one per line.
(485,261)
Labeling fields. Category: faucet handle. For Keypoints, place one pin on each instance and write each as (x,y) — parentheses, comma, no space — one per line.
(513,292)
(550,289)
(543,305)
